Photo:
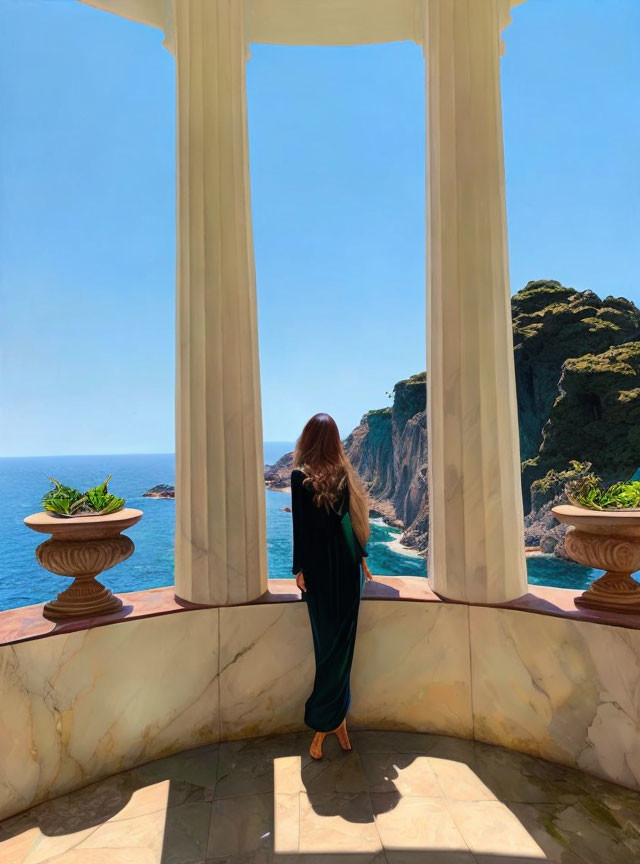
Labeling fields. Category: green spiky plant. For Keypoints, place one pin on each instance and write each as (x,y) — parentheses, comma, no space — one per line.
(66,501)
(587,491)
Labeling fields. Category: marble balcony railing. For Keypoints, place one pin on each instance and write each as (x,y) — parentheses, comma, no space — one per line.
(86,699)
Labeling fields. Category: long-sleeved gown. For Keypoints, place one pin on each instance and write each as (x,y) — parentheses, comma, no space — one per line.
(327,551)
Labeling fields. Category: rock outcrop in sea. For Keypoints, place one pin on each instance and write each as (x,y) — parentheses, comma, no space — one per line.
(162,490)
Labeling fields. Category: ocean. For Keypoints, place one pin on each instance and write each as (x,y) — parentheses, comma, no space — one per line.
(23,482)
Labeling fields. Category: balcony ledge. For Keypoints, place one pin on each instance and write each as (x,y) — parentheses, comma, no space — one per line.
(26,623)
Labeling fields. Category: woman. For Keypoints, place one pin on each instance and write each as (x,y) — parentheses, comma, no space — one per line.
(330,513)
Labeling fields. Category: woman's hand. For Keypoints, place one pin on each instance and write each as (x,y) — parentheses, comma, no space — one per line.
(300,581)
(367,572)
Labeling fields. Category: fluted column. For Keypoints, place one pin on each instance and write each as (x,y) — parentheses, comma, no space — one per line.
(220,555)
(476,531)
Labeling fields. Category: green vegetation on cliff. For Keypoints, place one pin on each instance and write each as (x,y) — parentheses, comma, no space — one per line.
(551,325)
(552,486)
(595,417)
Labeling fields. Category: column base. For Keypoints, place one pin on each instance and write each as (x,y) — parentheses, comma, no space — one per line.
(613,592)
(85,598)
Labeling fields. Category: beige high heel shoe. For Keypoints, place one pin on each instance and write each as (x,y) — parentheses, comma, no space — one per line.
(315,751)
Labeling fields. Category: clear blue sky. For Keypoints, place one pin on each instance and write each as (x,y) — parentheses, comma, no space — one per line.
(337,163)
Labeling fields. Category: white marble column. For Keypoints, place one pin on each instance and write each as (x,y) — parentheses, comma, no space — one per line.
(476,545)
(220,553)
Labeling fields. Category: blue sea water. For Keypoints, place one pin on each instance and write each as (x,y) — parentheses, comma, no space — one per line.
(273,450)
(23,481)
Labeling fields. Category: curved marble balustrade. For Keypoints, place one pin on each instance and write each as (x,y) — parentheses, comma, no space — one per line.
(84,700)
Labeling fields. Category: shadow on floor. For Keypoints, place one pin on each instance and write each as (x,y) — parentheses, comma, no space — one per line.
(397,798)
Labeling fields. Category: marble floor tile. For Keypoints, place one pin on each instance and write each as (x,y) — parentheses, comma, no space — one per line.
(140,838)
(287,775)
(147,799)
(34,847)
(458,781)
(264,801)
(197,767)
(46,847)
(515,776)
(524,859)
(448,747)
(14,849)
(343,774)
(246,767)
(241,825)
(86,808)
(260,856)
(337,823)
(586,828)
(378,857)
(286,827)
(491,828)
(401,773)
(365,741)
(540,822)
(435,856)
(186,833)
(416,824)
(107,856)
(92,805)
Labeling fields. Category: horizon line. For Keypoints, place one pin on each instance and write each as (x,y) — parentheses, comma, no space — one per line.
(93,455)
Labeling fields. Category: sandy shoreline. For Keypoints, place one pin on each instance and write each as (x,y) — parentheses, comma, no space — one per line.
(397,547)
(280,489)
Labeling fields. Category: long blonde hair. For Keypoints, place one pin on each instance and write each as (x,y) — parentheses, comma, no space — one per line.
(320,454)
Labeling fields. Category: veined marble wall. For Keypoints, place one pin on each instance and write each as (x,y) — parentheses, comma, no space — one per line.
(408,673)
(79,706)
(266,669)
(566,690)
(411,668)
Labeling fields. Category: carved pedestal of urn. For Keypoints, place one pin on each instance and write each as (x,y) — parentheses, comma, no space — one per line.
(82,548)
(605,540)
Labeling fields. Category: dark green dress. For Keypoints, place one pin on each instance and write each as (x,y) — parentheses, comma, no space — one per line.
(327,551)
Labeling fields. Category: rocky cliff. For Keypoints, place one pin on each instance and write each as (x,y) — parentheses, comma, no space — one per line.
(595,417)
(577,365)
(389,450)
(278,475)
(552,323)
(540,527)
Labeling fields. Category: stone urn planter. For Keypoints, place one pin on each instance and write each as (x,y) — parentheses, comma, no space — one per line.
(81,548)
(605,540)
